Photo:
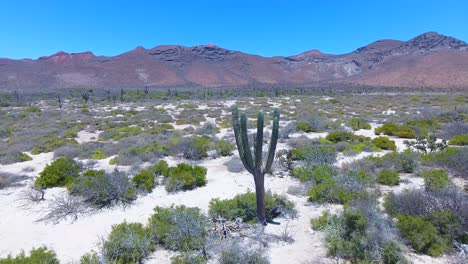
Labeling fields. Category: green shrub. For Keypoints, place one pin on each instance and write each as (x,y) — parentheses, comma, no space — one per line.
(145,180)
(161,168)
(359,123)
(244,206)
(179,228)
(392,129)
(188,259)
(89,258)
(84,110)
(127,243)
(388,177)
(224,147)
(99,155)
(32,109)
(315,154)
(384,143)
(339,136)
(49,144)
(24,157)
(392,253)
(59,173)
(196,148)
(435,179)
(185,177)
(421,235)
(459,140)
(303,126)
(320,222)
(317,173)
(40,255)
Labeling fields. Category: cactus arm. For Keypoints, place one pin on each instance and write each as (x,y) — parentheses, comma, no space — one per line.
(237,135)
(245,143)
(273,142)
(259,143)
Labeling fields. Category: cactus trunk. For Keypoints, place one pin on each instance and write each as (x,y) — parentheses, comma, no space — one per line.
(255,166)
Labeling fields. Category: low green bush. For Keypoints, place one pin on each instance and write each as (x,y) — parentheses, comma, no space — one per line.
(435,179)
(339,136)
(316,173)
(99,155)
(224,147)
(304,127)
(41,255)
(244,206)
(185,177)
(384,143)
(421,235)
(128,243)
(161,168)
(459,140)
(144,180)
(320,222)
(392,129)
(179,228)
(59,173)
(359,123)
(49,144)
(388,177)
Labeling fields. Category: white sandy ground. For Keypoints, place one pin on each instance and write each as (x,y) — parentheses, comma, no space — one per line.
(71,239)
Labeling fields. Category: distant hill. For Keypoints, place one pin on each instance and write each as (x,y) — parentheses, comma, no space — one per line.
(429,60)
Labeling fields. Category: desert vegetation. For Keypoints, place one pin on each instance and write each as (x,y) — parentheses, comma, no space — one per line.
(264,175)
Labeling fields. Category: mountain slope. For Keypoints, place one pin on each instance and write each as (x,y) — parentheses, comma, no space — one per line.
(428,60)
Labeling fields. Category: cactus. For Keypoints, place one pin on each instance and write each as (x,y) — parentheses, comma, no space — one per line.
(253,163)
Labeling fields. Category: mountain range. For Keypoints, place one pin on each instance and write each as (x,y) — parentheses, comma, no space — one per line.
(428,60)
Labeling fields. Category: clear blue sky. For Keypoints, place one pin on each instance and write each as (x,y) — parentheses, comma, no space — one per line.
(29,29)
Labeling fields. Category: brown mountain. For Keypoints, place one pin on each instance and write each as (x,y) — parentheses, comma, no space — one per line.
(428,60)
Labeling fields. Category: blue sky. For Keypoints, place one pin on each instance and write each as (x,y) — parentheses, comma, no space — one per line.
(29,29)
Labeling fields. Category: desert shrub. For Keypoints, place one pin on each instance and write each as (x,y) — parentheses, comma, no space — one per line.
(99,154)
(224,147)
(392,253)
(384,143)
(32,109)
(452,129)
(59,173)
(179,228)
(315,154)
(144,180)
(359,123)
(339,136)
(388,177)
(340,189)
(316,173)
(312,123)
(421,235)
(195,148)
(188,258)
(185,177)
(460,140)
(443,208)
(451,159)
(284,132)
(320,222)
(435,179)
(127,243)
(244,206)
(102,189)
(208,128)
(360,234)
(392,129)
(161,168)
(89,258)
(235,253)
(41,255)
(403,162)
(48,144)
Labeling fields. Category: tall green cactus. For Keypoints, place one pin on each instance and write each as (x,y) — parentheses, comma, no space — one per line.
(256,166)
